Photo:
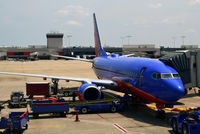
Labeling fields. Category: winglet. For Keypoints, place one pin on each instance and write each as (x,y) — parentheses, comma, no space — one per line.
(98,49)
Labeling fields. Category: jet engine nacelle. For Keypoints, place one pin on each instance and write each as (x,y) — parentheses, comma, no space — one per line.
(89,91)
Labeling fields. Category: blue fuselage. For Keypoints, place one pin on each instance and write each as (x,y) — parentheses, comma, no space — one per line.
(148,76)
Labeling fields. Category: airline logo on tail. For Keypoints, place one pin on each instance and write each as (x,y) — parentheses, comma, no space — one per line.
(98,49)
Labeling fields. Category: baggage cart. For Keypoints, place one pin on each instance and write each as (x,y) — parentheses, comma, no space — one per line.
(50,105)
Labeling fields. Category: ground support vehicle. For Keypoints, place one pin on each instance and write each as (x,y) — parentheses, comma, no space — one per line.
(17,100)
(17,121)
(2,104)
(37,88)
(98,106)
(186,122)
(67,92)
(49,105)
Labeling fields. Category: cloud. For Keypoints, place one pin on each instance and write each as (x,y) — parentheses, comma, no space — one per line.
(74,11)
(157,5)
(195,2)
(73,23)
(173,21)
(191,30)
(165,20)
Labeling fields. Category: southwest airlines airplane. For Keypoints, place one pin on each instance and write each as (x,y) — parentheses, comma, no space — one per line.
(146,78)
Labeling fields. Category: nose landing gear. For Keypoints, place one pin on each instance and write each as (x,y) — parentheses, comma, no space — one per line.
(160,114)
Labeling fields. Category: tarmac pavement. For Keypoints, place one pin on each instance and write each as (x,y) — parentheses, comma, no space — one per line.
(136,120)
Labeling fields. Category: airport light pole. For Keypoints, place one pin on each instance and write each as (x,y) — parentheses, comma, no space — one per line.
(183,37)
(174,40)
(128,38)
(122,38)
(68,37)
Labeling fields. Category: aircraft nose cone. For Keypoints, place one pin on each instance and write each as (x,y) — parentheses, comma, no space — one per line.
(174,91)
(177,91)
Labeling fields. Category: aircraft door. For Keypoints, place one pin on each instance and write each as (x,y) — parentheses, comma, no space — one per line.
(141,77)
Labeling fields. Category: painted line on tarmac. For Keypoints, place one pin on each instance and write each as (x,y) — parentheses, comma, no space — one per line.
(46,126)
(107,124)
(120,128)
(100,116)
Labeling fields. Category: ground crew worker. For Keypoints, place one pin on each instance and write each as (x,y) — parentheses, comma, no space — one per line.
(55,86)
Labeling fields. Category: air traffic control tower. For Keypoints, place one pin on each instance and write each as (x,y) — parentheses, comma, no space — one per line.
(54,40)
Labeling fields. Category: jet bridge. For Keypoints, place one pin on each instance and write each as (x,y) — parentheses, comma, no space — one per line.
(187,64)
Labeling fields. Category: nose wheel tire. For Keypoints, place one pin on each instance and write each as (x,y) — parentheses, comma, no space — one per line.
(161,114)
(84,110)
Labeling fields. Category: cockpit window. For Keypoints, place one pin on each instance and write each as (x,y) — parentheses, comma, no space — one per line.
(165,75)
(176,75)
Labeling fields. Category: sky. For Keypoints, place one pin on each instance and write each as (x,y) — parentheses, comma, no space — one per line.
(161,22)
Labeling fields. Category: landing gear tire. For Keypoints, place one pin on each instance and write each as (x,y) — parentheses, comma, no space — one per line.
(66,94)
(113,109)
(185,129)
(84,110)
(161,114)
(174,126)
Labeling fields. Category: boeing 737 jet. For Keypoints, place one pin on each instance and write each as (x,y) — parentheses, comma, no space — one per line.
(148,79)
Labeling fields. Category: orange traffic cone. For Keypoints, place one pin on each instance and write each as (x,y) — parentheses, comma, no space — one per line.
(53,100)
(77,119)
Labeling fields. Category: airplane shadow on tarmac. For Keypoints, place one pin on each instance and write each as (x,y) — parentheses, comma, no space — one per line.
(145,114)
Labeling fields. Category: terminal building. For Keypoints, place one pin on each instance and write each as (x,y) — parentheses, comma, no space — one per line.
(144,50)
(54,40)
(54,46)
(186,59)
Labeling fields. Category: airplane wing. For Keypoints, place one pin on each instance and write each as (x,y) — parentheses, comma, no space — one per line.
(98,82)
(72,58)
